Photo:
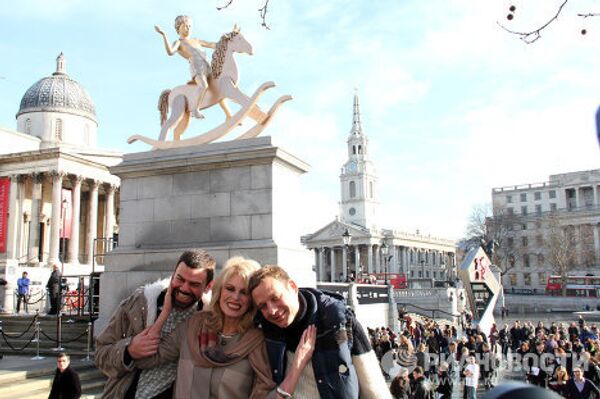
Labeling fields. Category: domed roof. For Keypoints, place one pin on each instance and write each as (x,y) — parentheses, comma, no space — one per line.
(58,93)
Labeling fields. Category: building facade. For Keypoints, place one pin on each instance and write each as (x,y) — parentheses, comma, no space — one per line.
(538,220)
(57,197)
(372,249)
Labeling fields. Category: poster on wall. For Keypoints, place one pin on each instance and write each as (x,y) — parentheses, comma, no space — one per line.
(4,190)
(66,213)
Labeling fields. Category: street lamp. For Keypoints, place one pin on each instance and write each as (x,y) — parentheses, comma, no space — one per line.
(346,238)
(385,250)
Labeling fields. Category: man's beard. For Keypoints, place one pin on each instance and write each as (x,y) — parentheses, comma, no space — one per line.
(183,305)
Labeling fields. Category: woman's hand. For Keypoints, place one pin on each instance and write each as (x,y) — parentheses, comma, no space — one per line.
(306,347)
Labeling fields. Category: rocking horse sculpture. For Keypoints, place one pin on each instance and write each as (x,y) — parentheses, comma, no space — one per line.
(222,85)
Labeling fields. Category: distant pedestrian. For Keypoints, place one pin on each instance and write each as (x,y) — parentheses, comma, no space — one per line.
(53,287)
(23,292)
(580,387)
(471,378)
(66,384)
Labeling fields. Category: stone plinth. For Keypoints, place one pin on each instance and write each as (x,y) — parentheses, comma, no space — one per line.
(231,198)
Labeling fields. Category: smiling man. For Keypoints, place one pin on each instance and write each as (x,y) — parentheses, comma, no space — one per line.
(127,338)
(343,364)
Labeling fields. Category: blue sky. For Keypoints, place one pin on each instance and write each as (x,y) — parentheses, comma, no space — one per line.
(452,105)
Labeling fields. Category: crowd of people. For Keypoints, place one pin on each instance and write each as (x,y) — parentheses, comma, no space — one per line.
(430,358)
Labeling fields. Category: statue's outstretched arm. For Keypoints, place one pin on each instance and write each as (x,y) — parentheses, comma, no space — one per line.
(206,44)
(170,49)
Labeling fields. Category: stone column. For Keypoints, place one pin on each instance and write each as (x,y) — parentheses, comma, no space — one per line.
(596,228)
(20,251)
(344,263)
(356,261)
(378,259)
(321,263)
(13,218)
(395,263)
(332,258)
(370,258)
(73,250)
(92,220)
(34,224)
(56,217)
(110,210)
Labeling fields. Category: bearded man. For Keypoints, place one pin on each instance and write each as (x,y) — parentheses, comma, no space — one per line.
(128,335)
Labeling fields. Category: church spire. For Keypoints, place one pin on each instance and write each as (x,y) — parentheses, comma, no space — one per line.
(356,126)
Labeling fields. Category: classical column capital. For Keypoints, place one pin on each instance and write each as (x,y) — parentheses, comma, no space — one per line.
(93,184)
(76,179)
(57,174)
(38,177)
(21,178)
(110,188)
(26,217)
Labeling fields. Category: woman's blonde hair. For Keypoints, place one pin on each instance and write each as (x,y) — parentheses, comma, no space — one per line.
(236,266)
(562,370)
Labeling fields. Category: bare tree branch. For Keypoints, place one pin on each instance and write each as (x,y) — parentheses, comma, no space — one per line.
(532,36)
(261,11)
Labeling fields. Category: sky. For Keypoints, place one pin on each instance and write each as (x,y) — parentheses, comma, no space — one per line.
(452,104)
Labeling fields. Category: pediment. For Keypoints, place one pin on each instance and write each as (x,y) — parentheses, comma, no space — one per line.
(332,233)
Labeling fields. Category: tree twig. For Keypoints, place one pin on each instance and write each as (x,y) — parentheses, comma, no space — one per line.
(263,13)
(225,6)
(532,36)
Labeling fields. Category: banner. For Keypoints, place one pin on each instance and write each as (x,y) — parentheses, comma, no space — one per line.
(4,205)
(66,210)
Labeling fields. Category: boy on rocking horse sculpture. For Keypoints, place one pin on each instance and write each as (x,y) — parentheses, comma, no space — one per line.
(191,50)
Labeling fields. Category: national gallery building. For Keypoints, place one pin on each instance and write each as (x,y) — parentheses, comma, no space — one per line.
(373,250)
(57,197)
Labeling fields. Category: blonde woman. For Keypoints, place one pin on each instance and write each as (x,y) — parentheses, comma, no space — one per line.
(221,355)
(559,381)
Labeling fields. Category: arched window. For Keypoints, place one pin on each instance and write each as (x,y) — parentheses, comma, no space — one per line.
(28,126)
(354,149)
(58,130)
(360,149)
(352,189)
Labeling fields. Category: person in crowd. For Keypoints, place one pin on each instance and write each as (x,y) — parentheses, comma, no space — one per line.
(53,287)
(559,381)
(471,374)
(400,386)
(66,384)
(23,292)
(420,386)
(286,313)
(445,382)
(221,353)
(579,387)
(121,339)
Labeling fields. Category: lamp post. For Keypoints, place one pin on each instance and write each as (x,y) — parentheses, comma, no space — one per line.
(65,204)
(385,250)
(346,238)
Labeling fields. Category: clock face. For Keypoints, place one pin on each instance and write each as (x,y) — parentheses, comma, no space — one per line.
(351,167)
(352,211)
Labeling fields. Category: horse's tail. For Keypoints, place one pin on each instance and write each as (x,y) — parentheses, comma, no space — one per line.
(163,105)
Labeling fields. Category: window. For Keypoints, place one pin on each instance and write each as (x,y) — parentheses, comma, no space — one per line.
(510,211)
(420,274)
(509,199)
(552,194)
(523,197)
(435,275)
(526,260)
(524,210)
(539,240)
(523,226)
(513,279)
(412,273)
(510,242)
(360,149)
(354,149)
(527,278)
(58,130)
(28,126)
(540,259)
(553,207)
(538,210)
(352,189)
(537,196)
(427,273)
(524,241)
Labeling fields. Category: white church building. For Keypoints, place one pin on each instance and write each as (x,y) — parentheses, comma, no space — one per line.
(372,249)
(57,197)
